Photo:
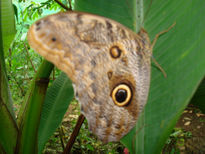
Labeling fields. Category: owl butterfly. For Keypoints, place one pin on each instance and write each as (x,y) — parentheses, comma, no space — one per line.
(108,64)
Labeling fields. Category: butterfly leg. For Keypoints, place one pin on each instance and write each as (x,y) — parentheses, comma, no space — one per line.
(159,66)
(153,44)
(161,33)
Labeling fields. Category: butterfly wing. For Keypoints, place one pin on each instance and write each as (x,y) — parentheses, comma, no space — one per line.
(106,62)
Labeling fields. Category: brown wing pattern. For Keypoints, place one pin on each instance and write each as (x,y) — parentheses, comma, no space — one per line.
(97,54)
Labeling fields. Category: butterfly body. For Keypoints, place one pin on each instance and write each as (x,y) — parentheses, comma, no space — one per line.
(108,64)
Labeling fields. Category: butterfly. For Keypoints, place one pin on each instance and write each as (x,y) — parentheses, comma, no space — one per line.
(109,66)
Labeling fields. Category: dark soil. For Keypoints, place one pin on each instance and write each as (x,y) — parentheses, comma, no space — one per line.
(189,132)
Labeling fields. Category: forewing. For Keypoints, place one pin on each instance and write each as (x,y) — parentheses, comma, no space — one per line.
(80,45)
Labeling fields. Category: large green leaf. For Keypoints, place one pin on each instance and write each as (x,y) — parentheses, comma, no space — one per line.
(8,127)
(179,52)
(8,23)
(30,112)
(58,97)
(8,32)
(123,11)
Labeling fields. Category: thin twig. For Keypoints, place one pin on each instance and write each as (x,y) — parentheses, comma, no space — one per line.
(10,54)
(62,5)
(69,1)
(29,58)
(74,134)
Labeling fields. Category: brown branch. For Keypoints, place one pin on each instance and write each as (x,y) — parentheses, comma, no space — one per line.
(63,6)
(29,58)
(74,134)
(69,1)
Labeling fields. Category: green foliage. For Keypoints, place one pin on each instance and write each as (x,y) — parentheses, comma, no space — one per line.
(177,139)
(21,65)
(177,52)
(7,23)
(30,111)
(8,127)
(58,97)
(21,61)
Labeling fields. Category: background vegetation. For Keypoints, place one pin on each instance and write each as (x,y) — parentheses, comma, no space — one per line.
(180,52)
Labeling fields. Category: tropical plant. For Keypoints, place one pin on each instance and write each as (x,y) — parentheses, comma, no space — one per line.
(180,52)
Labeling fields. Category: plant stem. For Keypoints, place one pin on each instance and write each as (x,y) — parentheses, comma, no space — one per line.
(73,136)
